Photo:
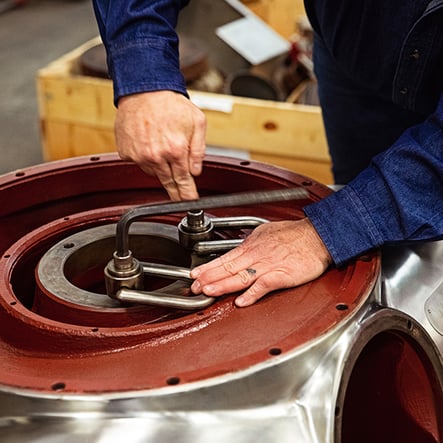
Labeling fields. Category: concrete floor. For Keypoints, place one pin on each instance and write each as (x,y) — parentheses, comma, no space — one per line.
(31,36)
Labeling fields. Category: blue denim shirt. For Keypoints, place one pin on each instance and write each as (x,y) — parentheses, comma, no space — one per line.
(141,44)
(392,49)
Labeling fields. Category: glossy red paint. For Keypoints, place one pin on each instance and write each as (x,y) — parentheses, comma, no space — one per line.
(50,345)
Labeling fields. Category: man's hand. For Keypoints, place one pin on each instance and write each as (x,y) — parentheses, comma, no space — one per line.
(276,255)
(164,133)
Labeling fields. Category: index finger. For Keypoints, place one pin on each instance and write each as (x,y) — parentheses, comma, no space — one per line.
(197,148)
(222,267)
(184,181)
(164,173)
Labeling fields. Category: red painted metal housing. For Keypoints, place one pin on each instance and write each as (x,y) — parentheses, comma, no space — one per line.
(48,345)
(90,349)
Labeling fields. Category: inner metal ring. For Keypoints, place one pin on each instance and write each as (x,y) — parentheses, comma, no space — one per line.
(80,253)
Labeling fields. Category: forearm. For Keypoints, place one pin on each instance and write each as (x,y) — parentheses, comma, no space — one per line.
(398,198)
(141,45)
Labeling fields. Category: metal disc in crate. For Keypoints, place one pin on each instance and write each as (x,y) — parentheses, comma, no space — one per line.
(193,58)
(93,62)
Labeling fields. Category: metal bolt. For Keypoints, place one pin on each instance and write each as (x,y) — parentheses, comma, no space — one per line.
(196,221)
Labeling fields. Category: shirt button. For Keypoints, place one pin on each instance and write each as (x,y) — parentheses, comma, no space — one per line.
(404,91)
(415,54)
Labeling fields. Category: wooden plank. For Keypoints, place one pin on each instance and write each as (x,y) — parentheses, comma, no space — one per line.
(56,140)
(319,171)
(281,15)
(77,98)
(87,140)
(64,140)
(261,126)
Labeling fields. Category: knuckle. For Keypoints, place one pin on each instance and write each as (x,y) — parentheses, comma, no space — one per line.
(183,180)
(200,120)
(177,145)
(229,267)
(244,277)
(268,281)
(167,183)
(153,157)
(254,293)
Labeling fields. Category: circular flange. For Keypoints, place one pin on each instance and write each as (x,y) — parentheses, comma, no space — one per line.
(77,356)
(69,276)
(82,253)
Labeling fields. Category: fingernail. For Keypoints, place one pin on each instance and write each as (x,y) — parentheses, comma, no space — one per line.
(196,168)
(240,301)
(195,273)
(195,287)
(208,289)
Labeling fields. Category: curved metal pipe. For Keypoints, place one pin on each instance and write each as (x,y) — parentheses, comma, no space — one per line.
(210,202)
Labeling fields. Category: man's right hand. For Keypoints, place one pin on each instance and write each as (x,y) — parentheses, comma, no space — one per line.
(164,133)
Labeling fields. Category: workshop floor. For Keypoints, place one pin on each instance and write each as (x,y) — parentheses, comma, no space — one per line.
(31,36)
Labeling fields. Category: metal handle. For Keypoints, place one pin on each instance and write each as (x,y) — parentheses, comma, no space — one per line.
(190,303)
(124,273)
(210,202)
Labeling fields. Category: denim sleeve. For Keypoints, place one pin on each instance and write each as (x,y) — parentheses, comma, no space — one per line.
(398,198)
(141,44)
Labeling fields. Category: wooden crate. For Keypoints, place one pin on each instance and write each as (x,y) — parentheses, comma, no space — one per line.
(77,117)
(281,15)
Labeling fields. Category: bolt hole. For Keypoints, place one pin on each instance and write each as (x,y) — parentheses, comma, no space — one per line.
(171,381)
(6,256)
(201,313)
(275,351)
(337,411)
(270,126)
(68,245)
(410,325)
(60,386)
(307,183)
(13,303)
(245,163)
(19,174)
(341,307)
(95,159)
(94,329)
(66,218)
